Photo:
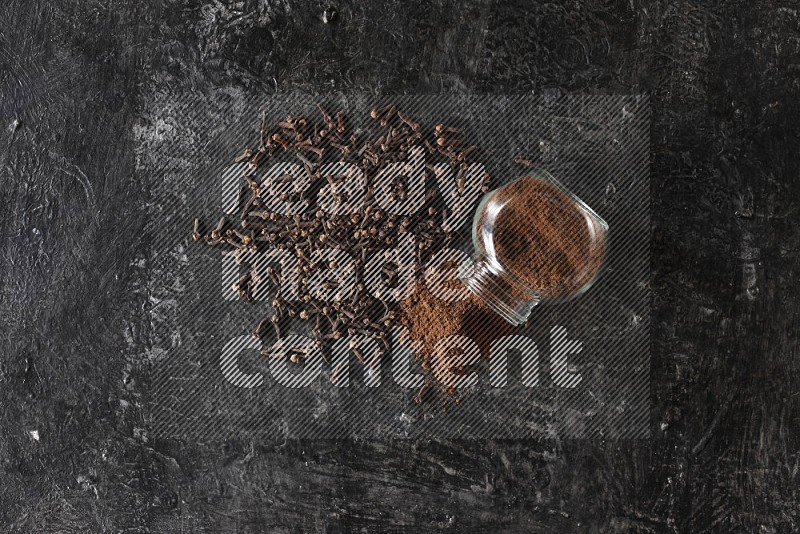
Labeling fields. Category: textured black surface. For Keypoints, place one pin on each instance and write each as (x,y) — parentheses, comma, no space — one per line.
(79,76)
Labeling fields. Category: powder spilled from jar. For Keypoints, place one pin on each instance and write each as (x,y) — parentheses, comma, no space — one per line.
(430,319)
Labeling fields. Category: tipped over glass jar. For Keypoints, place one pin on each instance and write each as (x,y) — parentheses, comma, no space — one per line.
(534,241)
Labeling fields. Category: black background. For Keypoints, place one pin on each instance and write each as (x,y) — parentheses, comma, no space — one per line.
(723,79)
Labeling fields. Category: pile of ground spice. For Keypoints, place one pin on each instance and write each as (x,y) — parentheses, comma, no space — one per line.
(544,238)
(429,320)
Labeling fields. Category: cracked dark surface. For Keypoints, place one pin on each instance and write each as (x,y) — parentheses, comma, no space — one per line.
(724,453)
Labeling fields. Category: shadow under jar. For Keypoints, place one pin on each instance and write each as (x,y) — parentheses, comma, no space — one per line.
(534,241)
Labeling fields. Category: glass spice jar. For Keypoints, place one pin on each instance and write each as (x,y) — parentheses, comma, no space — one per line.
(534,241)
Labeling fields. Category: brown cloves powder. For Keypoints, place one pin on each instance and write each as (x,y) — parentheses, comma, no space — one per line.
(430,319)
(543,238)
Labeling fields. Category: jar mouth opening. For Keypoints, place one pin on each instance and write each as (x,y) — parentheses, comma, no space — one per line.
(501,292)
(497,269)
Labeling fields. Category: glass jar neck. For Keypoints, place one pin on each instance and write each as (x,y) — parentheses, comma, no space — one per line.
(501,292)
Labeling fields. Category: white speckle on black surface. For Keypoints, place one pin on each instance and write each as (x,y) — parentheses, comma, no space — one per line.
(330,14)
